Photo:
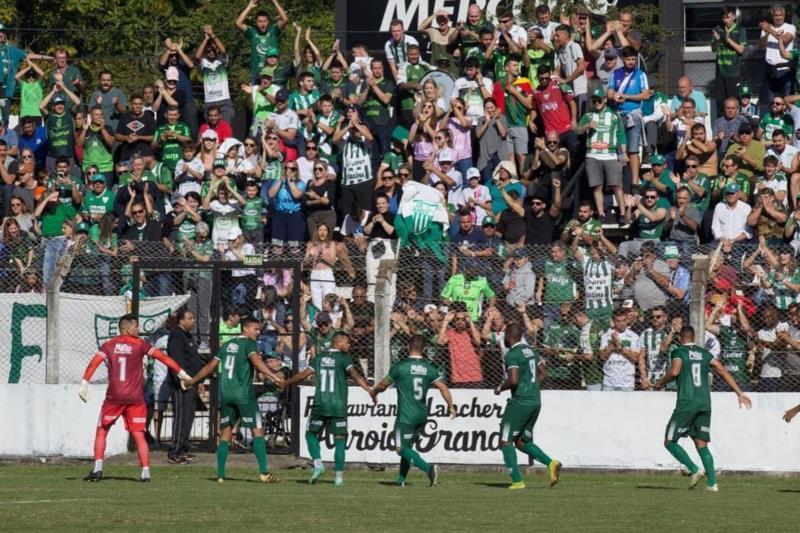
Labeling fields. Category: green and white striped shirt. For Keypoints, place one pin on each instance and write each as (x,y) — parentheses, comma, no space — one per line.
(651,340)
(273,168)
(598,282)
(602,142)
(325,141)
(356,161)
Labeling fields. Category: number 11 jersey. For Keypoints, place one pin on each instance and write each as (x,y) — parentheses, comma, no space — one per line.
(330,372)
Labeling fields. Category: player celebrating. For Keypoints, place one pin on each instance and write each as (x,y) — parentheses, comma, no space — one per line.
(123,356)
(413,377)
(692,415)
(330,402)
(238,357)
(525,370)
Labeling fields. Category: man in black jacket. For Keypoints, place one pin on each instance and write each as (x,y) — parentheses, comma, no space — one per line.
(182,347)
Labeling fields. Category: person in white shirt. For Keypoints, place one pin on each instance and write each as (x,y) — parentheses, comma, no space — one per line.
(505,23)
(620,353)
(570,64)
(779,72)
(543,22)
(396,48)
(284,121)
(769,360)
(473,88)
(446,172)
(785,152)
(730,217)
(476,196)
(213,63)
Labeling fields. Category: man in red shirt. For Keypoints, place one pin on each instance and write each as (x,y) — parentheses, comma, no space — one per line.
(215,122)
(124,356)
(556,106)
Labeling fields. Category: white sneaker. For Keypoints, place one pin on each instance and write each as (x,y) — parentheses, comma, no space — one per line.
(695,478)
(712,488)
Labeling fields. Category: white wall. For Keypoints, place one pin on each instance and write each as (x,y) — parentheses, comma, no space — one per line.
(38,420)
(582,429)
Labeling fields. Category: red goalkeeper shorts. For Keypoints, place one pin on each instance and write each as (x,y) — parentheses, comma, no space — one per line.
(135,415)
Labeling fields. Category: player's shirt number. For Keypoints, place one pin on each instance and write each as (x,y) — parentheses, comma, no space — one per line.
(327,376)
(230,361)
(122,369)
(532,365)
(696,377)
(418,392)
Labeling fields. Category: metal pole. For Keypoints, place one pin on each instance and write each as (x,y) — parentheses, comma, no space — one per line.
(295,393)
(213,342)
(383,310)
(52,331)
(697,301)
(136,288)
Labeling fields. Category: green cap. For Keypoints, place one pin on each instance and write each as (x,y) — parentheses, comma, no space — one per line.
(745,90)
(451,208)
(271,52)
(732,188)
(488,221)
(599,93)
(267,71)
(2,27)
(82,227)
(98,177)
(399,133)
(657,159)
(219,162)
(671,252)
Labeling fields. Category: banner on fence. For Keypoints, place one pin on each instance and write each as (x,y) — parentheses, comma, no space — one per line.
(581,428)
(85,322)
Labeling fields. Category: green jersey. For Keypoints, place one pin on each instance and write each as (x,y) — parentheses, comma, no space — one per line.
(60,135)
(651,229)
(559,285)
(375,110)
(770,124)
(602,142)
(327,149)
(236,370)
(98,204)
(253,213)
(526,361)
(322,343)
(259,44)
(31,95)
(171,149)
(784,296)
(739,179)
(330,395)
(273,168)
(696,200)
(729,62)
(590,343)
(471,292)
(414,73)
(262,107)
(694,392)
(733,352)
(564,338)
(300,102)
(95,150)
(657,361)
(413,377)
(393,160)
(516,112)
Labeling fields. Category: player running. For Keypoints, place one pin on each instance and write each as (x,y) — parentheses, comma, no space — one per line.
(413,377)
(236,360)
(525,370)
(692,415)
(329,410)
(124,356)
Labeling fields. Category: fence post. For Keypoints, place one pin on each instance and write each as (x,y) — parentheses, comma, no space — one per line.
(53,301)
(697,297)
(383,313)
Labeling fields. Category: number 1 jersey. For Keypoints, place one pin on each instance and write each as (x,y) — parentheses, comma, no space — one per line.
(124,358)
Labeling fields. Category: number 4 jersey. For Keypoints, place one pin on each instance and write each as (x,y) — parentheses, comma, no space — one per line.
(693,387)
(236,372)
(413,377)
(330,369)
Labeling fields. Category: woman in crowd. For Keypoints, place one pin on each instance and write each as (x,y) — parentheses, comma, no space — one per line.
(421,135)
(322,254)
(288,227)
(320,198)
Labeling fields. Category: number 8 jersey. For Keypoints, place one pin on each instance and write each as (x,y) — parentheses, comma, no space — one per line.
(694,392)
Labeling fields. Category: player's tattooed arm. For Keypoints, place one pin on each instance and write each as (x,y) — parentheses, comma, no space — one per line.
(297,378)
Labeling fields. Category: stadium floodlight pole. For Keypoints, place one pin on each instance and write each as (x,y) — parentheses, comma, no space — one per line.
(697,302)
(295,391)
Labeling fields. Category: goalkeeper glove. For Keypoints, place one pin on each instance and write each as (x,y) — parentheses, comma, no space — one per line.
(84,391)
(184,377)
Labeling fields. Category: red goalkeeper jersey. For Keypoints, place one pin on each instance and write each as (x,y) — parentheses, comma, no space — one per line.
(124,358)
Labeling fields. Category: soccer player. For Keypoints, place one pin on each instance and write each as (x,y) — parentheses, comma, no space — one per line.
(692,415)
(123,356)
(329,410)
(413,377)
(525,371)
(236,360)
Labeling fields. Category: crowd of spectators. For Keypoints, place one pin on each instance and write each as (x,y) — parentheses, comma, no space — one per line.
(576,189)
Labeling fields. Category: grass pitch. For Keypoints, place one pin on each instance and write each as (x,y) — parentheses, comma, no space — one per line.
(34,498)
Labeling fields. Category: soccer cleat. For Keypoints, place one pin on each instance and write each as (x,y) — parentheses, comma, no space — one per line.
(315,475)
(517,485)
(695,478)
(144,480)
(712,488)
(177,460)
(94,476)
(220,480)
(554,469)
(433,474)
(338,482)
(268,478)
(400,482)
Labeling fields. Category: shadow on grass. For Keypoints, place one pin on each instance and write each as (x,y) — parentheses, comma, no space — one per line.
(495,485)
(392,484)
(797,491)
(655,487)
(240,480)
(105,478)
(317,482)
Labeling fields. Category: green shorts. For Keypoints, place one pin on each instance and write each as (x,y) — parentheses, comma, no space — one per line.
(518,419)
(247,412)
(406,435)
(336,425)
(695,424)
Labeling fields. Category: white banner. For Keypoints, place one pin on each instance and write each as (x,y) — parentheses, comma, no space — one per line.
(85,322)
(582,429)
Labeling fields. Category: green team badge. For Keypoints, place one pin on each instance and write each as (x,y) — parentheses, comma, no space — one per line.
(106,327)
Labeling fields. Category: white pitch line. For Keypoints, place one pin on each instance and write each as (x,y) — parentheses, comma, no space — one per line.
(15,502)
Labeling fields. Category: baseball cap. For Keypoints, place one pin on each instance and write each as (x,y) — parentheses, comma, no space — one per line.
(82,227)
(429,308)
(58,99)
(210,134)
(488,221)
(445,155)
(176,197)
(234,233)
(582,10)
(519,253)
(599,93)
(657,159)
(628,304)
(732,188)
(473,172)
(610,53)
(98,178)
(745,90)
(219,163)
(745,128)
(2,27)
(282,95)
(323,318)
(172,74)
(271,52)
(671,252)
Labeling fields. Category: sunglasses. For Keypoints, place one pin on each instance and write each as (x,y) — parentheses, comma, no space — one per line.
(250,144)
(172,82)
(691,166)
(551,142)
(208,140)
(318,169)
(311,147)
(404,174)
(291,168)
(272,138)
(504,21)
(16,204)
(138,212)
(730,193)
(27,156)
(651,196)
(659,316)
(388,177)
(439,138)
(537,202)
(727,165)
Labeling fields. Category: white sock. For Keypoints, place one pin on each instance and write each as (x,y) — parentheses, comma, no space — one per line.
(317,463)
(340,476)
(98,465)
(145,472)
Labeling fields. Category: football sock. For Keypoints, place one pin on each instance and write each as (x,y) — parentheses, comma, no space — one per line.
(313,446)
(98,465)
(142,448)
(100,445)
(222,457)
(338,454)
(536,452)
(260,449)
(414,458)
(145,472)
(708,464)
(510,460)
(680,454)
(340,475)
(405,466)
